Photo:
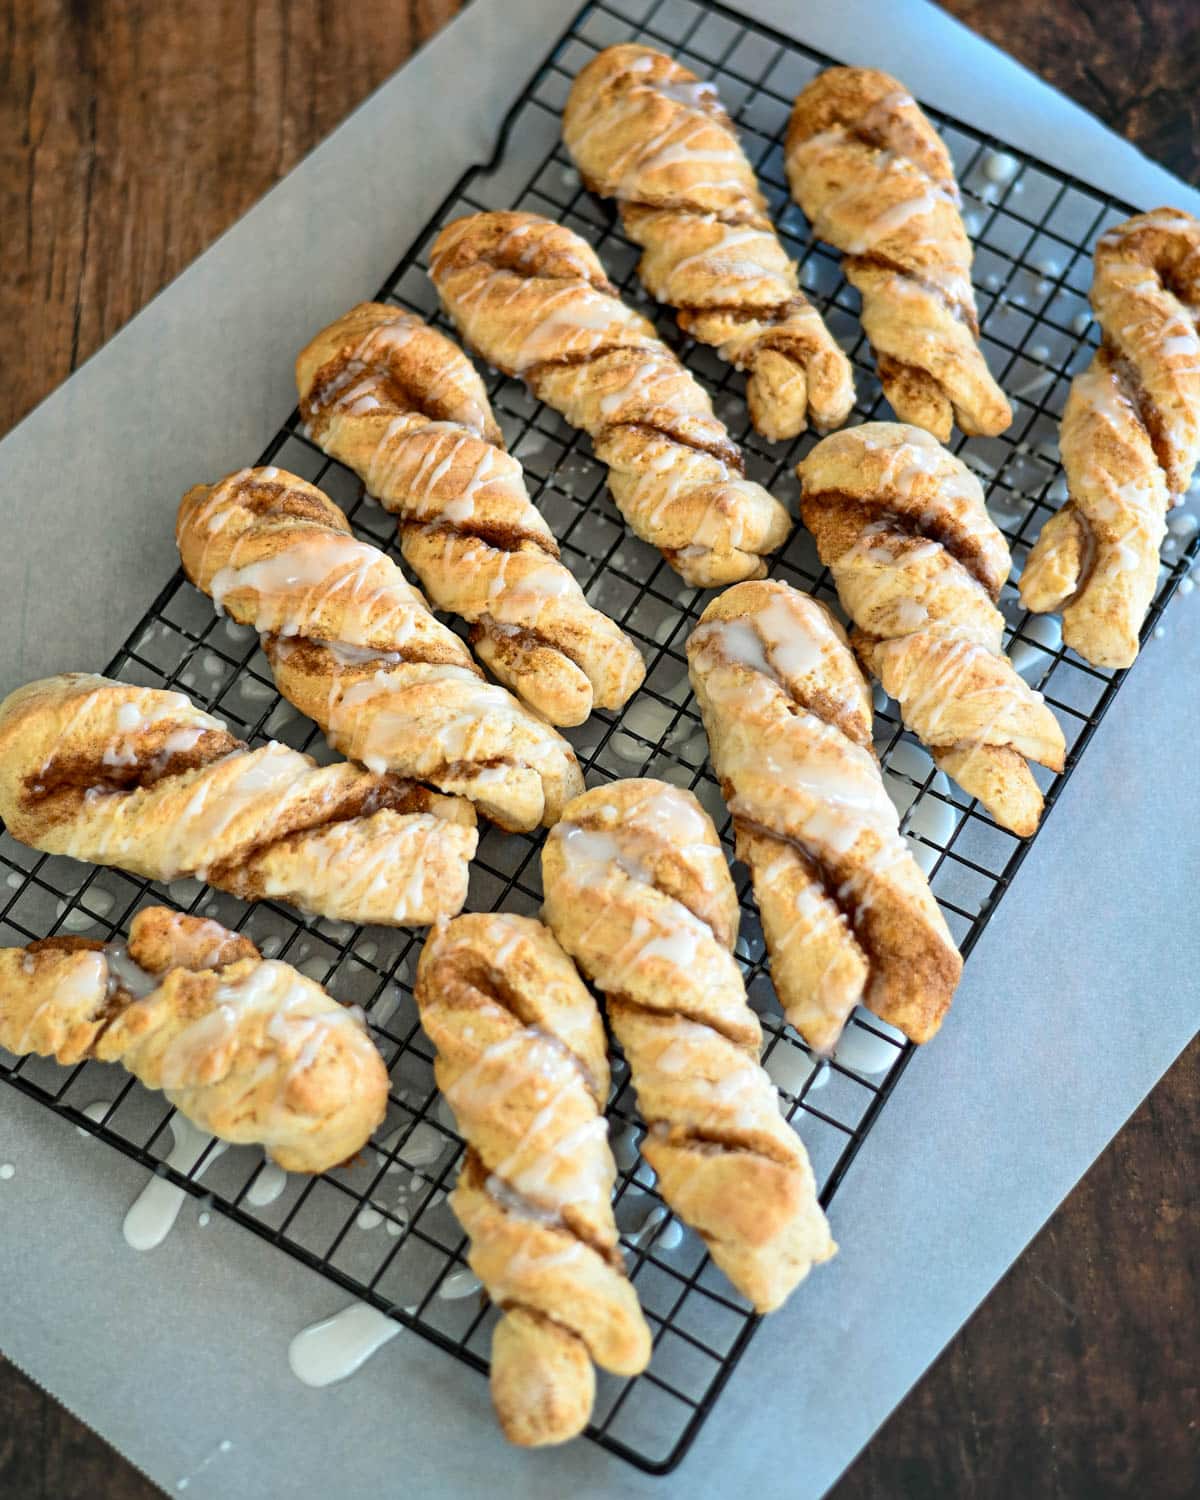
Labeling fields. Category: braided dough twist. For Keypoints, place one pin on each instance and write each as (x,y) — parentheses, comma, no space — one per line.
(918,565)
(638,892)
(875,179)
(355,647)
(642,129)
(142,779)
(521,1060)
(534,300)
(403,406)
(847,913)
(1130,439)
(248,1050)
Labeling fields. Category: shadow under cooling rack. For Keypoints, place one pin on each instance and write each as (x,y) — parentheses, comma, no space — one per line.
(382,1230)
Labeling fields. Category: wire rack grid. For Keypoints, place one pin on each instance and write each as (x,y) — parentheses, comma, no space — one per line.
(382,1229)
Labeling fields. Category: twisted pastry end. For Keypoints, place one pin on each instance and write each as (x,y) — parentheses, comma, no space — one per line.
(1130,439)
(248,1050)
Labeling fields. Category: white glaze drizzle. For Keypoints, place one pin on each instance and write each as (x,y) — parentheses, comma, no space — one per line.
(294,585)
(268,1185)
(156,1208)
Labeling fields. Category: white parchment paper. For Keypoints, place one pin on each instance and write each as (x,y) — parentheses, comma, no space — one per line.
(1080,994)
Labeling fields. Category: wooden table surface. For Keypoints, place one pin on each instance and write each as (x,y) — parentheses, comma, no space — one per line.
(132,135)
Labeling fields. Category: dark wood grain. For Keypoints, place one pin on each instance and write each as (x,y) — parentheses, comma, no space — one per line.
(1078,1376)
(131,135)
(1135,63)
(132,132)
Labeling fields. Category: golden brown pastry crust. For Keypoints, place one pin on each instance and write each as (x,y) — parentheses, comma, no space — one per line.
(520,1057)
(847,914)
(918,565)
(1130,439)
(356,648)
(638,892)
(533,299)
(403,406)
(248,1050)
(142,779)
(875,180)
(644,130)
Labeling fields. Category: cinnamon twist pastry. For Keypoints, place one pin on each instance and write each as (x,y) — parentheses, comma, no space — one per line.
(1130,439)
(248,1050)
(918,565)
(847,913)
(534,300)
(638,892)
(142,779)
(875,179)
(521,1059)
(356,648)
(644,130)
(403,406)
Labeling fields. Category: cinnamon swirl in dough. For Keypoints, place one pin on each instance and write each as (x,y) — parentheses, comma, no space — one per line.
(142,779)
(847,913)
(356,648)
(638,892)
(521,1059)
(534,300)
(644,130)
(403,406)
(919,564)
(1130,439)
(875,179)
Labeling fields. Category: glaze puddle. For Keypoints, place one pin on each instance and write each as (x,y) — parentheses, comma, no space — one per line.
(333,1349)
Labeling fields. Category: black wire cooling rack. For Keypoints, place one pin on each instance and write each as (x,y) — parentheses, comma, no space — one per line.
(382,1229)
